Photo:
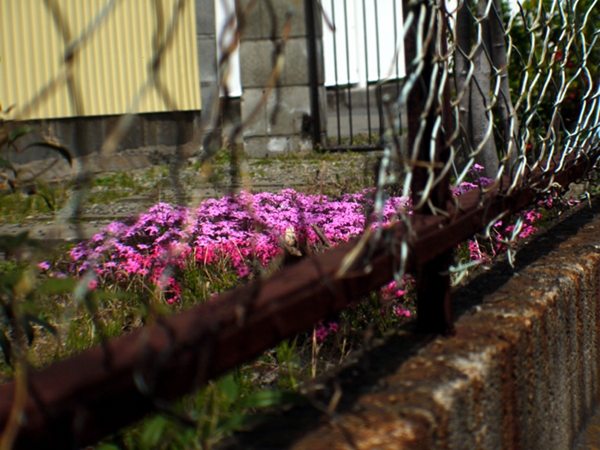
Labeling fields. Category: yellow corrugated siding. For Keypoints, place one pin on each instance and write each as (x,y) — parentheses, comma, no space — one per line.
(112,66)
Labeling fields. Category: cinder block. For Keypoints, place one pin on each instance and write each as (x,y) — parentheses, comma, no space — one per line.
(159,130)
(290,105)
(267,20)
(258,123)
(281,9)
(207,60)
(256,147)
(262,147)
(184,123)
(252,27)
(257,59)
(133,138)
(90,133)
(295,69)
(256,63)
(209,93)
(63,130)
(205,17)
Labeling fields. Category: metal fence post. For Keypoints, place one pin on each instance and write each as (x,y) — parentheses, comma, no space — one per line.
(313,72)
(434,309)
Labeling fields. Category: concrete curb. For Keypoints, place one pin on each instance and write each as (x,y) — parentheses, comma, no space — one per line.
(522,371)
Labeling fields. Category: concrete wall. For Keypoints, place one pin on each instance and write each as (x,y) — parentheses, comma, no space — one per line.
(207,50)
(522,371)
(281,123)
(155,138)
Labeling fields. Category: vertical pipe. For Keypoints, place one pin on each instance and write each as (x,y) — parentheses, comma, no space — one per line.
(348,73)
(364,9)
(397,55)
(335,68)
(379,87)
(313,72)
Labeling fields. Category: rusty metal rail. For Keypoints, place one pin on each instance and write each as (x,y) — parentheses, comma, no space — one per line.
(80,400)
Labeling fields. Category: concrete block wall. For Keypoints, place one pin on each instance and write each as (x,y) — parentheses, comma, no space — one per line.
(207,49)
(83,136)
(208,61)
(522,371)
(280,124)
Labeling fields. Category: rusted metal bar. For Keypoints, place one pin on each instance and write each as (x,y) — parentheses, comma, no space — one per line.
(77,401)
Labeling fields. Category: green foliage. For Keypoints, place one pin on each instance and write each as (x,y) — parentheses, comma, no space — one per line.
(21,318)
(201,419)
(554,63)
(289,363)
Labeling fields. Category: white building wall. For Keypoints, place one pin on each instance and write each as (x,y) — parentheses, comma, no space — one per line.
(346,61)
(224,12)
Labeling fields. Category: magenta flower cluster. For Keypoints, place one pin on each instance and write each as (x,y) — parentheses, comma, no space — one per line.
(322,330)
(240,229)
(155,247)
(502,230)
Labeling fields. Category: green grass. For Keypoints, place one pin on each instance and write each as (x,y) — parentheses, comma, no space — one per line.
(41,198)
(357,139)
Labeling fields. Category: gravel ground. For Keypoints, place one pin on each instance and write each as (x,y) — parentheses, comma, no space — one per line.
(331,174)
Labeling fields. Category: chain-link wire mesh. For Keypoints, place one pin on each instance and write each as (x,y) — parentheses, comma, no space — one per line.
(510,89)
(498,96)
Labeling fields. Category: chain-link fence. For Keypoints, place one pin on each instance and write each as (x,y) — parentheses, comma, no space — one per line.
(501,108)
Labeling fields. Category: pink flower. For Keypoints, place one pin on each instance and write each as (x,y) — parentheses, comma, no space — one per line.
(322,331)
(401,312)
(44,265)
(243,271)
